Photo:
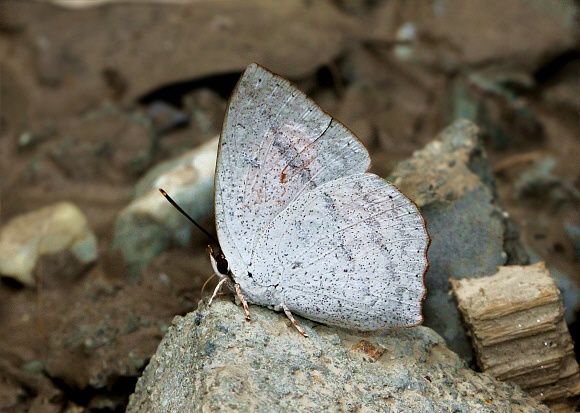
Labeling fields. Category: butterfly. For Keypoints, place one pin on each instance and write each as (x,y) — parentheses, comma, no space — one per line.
(302,226)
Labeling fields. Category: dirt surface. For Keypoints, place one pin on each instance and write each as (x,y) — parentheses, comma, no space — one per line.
(94,95)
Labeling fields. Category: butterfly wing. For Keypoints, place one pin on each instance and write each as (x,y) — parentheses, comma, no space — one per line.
(351,252)
(276,144)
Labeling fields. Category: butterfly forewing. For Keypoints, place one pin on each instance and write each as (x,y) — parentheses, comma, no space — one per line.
(276,144)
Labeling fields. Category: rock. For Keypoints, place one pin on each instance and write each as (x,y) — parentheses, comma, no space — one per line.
(19,384)
(213,360)
(516,320)
(559,197)
(488,99)
(539,182)
(573,232)
(107,144)
(148,225)
(549,31)
(165,118)
(54,244)
(569,290)
(206,110)
(407,33)
(452,183)
(560,95)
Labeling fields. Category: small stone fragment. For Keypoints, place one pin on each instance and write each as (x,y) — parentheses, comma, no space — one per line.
(574,234)
(165,118)
(53,240)
(516,320)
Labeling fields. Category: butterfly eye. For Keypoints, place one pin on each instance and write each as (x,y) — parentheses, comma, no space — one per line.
(222,263)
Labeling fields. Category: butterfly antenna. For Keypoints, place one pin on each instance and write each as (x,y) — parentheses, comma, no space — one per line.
(172,202)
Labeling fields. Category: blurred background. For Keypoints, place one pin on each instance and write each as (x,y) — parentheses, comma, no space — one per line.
(99,98)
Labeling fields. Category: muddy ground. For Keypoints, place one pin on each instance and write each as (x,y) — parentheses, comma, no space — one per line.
(94,95)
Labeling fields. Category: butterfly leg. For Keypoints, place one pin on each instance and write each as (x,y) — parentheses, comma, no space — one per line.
(217,290)
(243,300)
(291,317)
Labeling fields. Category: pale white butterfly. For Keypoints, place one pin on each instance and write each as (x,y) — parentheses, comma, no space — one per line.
(302,226)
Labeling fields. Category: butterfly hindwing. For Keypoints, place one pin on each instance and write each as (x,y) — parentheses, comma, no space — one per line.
(351,252)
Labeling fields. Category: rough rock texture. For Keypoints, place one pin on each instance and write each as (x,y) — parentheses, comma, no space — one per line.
(212,360)
(516,320)
(450,180)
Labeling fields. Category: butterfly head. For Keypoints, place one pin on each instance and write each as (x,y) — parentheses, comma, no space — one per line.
(219,262)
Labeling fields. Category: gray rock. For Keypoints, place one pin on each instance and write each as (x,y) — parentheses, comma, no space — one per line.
(212,360)
(487,98)
(539,182)
(165,118)
(471,234)
(569,289)
(573,232)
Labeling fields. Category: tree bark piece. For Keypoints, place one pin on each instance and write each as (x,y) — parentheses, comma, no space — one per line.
(516,321)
